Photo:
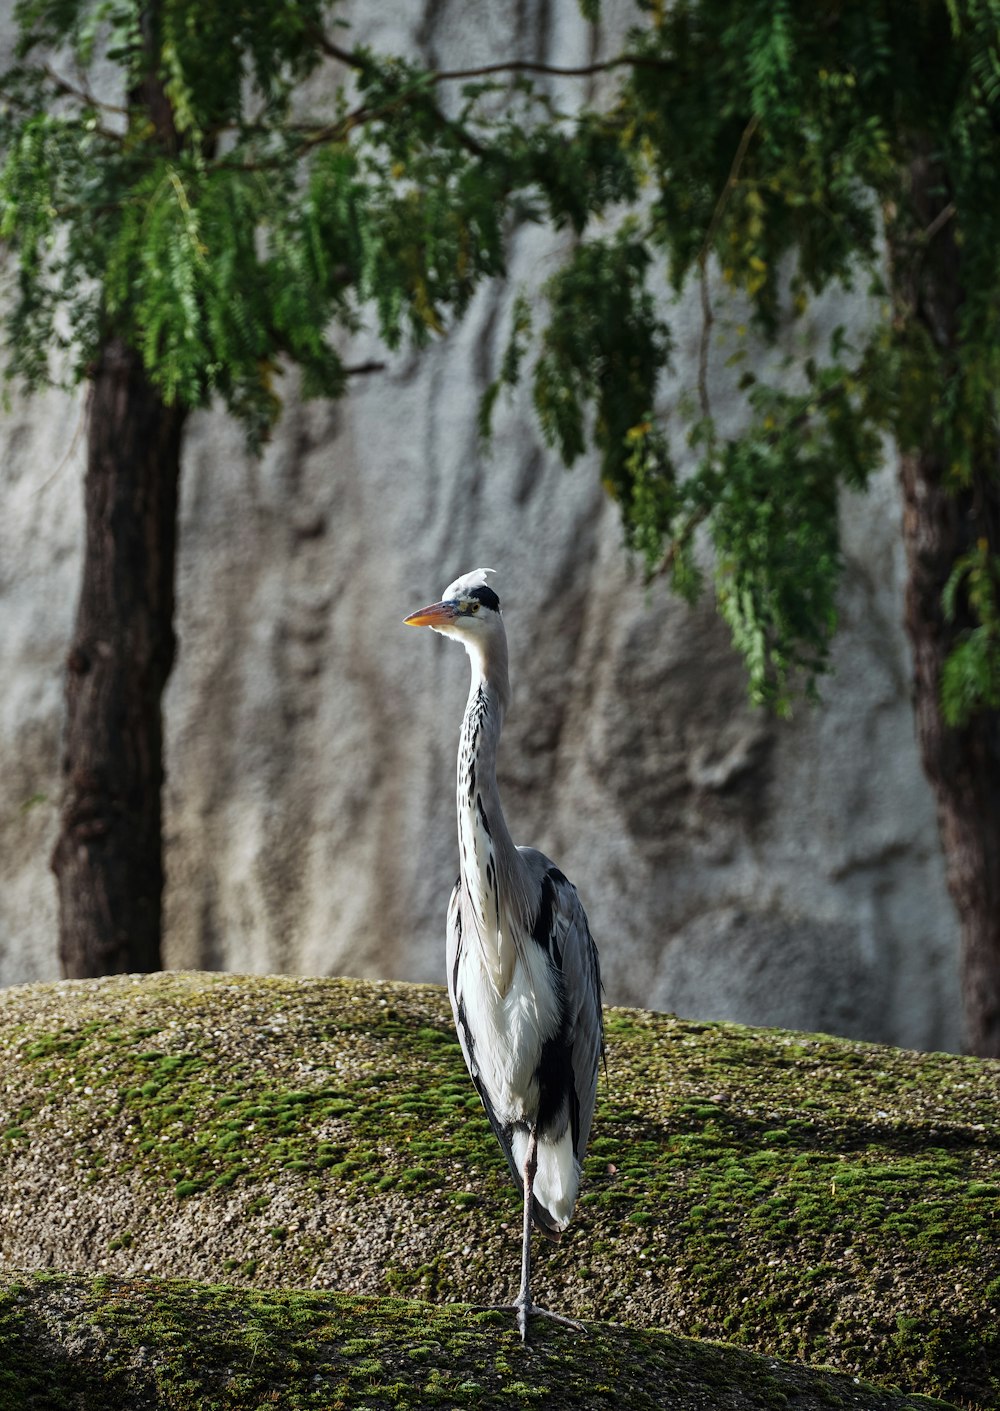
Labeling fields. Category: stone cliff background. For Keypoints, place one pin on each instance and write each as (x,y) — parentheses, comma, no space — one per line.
(734,866)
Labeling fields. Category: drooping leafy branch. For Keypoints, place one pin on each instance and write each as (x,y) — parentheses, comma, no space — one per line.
(763,149)
(774,144)
(179,223)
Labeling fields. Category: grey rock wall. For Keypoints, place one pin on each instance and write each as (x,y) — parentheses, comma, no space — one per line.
(734,866)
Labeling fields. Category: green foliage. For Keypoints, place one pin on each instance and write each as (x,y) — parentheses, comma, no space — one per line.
(972,672)
(774,525)
(763,148)
(603,347)
(218,234)
(773,144)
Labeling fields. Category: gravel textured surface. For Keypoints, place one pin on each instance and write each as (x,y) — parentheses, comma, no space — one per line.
(805,1197)
(149,1346)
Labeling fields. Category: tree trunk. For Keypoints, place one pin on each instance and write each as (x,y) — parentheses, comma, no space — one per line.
(108,857)
(941,522)
(963,765)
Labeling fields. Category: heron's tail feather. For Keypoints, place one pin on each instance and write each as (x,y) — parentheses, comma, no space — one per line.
(544,1223)
(557,1179)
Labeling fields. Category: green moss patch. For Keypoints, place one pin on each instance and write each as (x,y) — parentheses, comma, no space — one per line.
(805,1197)
(148,1344)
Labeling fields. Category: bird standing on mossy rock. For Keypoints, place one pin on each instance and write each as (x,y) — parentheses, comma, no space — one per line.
(523,972)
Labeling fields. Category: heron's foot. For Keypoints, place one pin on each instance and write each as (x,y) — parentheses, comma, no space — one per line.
(525,1310)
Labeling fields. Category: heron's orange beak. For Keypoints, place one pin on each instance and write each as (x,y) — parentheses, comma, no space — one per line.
(437,615)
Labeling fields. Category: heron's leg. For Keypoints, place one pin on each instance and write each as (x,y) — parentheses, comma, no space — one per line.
(523,1305)
(523,1302)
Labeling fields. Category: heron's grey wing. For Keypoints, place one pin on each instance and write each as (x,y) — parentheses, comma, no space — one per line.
(572,950)
(465,1037)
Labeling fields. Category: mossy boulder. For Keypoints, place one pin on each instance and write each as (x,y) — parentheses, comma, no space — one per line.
(150,1345)
(803,1197)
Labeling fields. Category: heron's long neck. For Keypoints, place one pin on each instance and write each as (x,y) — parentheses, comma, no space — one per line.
(492,870)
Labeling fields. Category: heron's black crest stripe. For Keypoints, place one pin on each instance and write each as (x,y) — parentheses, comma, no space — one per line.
(486,596)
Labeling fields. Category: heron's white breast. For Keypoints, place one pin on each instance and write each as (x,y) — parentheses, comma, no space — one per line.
(508,1029)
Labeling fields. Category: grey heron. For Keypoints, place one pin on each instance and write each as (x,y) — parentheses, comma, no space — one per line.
(523,971)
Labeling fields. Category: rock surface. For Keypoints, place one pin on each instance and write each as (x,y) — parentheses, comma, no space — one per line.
(151,1346)
(807,1198)
(733,866)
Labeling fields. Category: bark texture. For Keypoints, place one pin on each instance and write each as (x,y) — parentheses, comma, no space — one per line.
(108,856)
(941,522)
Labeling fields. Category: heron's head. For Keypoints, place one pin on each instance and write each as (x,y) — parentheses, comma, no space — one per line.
(469,610)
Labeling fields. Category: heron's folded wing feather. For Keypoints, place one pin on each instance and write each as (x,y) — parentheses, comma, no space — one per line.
(573,950)
(454,953)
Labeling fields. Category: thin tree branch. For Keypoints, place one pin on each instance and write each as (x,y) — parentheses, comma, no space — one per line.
(669,560)
(20,105)
(81,95)
(942,218)
(504,66)
(707,320)
(620,61)
(334,51)
(339,130)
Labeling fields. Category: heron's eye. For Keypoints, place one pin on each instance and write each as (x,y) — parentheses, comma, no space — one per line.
(471,605)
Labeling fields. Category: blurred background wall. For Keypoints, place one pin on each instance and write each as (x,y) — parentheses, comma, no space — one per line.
(733,865)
